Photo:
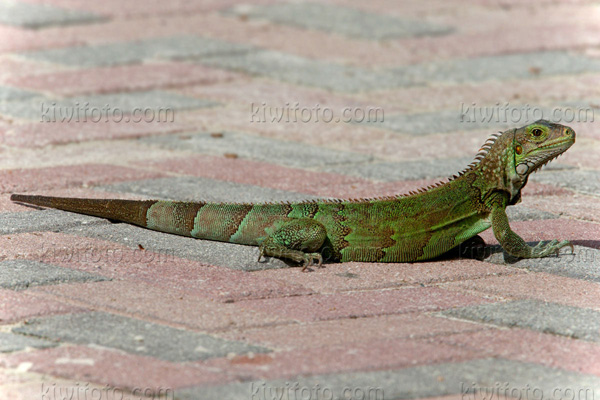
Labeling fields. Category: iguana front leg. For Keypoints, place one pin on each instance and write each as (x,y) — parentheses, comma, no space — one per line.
(513,244)
(297,240)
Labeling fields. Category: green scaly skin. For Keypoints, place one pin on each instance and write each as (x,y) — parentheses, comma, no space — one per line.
(404,228)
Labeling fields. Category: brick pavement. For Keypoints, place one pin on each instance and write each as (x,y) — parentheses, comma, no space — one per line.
(107,311)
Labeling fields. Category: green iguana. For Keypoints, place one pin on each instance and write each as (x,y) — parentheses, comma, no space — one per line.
(417,226)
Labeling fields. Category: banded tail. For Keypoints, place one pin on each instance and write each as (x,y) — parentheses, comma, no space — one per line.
(227,222)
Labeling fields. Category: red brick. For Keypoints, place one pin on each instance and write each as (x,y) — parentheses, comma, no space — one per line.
(18,306)
(529,346)
(13,39)
(373,355)
(43,134)
(363,276)
(20,180)
(122,78)
(176,307)
(349,331)
(361,304)
(540,286)
(114,368)
(578,232)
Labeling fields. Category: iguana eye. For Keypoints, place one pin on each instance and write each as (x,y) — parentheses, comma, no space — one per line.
(536,132)
(518,149)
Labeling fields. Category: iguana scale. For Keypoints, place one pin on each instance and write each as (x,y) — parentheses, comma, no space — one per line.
(403,228)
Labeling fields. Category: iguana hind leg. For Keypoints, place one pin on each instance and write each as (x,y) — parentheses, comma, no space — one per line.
(297,240)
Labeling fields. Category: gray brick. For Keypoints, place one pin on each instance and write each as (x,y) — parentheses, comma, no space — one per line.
(233,256)
(341,20)
(303,71)
(228,255)
(291,154)
(464,378)
(8,93)
(138,51)
(29,15)
(9,342)
(187,188)
(557,319)
(100,107)
(22,274)
(390,171)
(134,336)
(342,78)
(521,213)
(581,181)
(500,67)
(583,264)
(39,221)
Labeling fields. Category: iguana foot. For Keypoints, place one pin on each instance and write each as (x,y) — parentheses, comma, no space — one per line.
(309,259)
(296,240)
(545,249)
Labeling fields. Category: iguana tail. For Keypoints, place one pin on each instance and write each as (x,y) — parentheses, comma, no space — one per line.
(228,222)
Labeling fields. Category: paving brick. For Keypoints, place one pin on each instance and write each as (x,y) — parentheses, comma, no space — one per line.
(17,306)
(396,171)
(277,99)
(23,274)
(582,207)
(136,51)
(540,286)
(341,78)
(582,265)
(238,257)
(558,319)
(179,306)
(267,175)
(582,181)
(113,368)
(461,378)
(121,78)
(286,153)
(361,304)
(187,188)
(133,336)
(21,180)
(376,354)
(529,346)
(35,16)
(348,331)
(364,276)
(341,20)
(38,134)
(9,342)
(127,107)
(8,93)
(579,232)
(36,221)
(303,71)
(103,256)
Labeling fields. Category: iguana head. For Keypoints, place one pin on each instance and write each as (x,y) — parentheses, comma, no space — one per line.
(509,159)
